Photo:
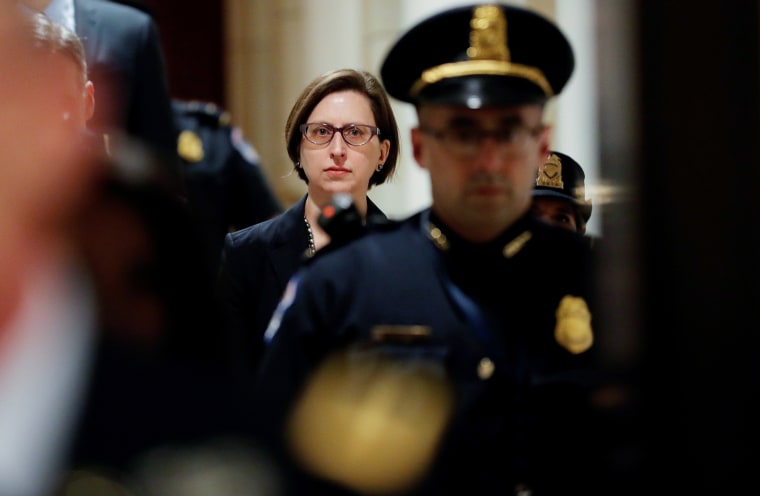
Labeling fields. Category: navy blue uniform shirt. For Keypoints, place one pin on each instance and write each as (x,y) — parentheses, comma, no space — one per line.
(522,416)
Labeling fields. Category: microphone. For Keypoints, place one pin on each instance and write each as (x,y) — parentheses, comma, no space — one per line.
(341,220)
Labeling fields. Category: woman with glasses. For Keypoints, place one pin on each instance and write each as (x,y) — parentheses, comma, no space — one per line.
(342,137)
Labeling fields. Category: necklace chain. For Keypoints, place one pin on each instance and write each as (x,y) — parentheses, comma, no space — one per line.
(312,246)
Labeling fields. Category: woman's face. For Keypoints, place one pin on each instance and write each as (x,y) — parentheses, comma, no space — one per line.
(337,166)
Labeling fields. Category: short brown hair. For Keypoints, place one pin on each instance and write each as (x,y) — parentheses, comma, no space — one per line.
(342,80)
(54,39)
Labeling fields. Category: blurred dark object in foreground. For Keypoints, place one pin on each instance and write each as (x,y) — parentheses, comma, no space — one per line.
(156,385)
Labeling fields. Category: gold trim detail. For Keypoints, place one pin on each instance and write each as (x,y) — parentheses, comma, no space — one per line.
(513,247)
(550,173)
(439,239)
(386,333)
(225,119)
(481,67)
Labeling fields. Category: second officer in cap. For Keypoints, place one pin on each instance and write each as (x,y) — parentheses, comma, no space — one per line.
(559,196)
(482,313)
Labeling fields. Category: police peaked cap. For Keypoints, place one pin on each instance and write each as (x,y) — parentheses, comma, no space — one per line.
(479,55)
(562,177)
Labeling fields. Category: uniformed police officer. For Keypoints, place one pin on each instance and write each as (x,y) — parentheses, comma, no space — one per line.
(453,352)
(225,185)
(559,196)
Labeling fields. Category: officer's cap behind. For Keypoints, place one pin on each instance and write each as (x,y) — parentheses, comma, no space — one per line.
(562,177)
(194,111)
(479,55)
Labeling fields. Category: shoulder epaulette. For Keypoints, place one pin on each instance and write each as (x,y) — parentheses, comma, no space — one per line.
(209,112)
(379,223)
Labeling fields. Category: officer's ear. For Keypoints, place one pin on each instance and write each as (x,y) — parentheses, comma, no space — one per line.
(89,100)
(385,150)
(417,145)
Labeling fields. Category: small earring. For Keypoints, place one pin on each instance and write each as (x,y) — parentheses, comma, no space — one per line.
(298,164)
(379,167)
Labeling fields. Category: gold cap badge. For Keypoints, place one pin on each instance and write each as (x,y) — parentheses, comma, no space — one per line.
(573,329)
(550,173)
(488,35)
(190,146)
(488,54)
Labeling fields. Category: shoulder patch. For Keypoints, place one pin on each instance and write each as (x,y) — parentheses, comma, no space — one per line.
(287,299)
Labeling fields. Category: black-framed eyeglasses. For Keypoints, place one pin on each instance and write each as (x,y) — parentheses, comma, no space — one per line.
(321,133)
(467,142)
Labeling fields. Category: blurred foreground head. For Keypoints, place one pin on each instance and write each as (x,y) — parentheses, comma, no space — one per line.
(46,169)
(46,99)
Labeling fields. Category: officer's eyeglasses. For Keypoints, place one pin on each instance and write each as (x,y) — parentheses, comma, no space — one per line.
(468,142)
(321,133)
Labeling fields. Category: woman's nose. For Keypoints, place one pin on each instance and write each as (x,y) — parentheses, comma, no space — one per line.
(338,144)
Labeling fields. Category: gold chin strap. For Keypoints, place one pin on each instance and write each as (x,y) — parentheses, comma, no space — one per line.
(478,68)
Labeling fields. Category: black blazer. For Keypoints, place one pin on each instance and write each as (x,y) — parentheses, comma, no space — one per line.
(137,406)
(257,263)
(126,64)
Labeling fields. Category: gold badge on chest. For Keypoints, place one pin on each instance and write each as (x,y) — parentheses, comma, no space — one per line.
(573,329)
(190,146)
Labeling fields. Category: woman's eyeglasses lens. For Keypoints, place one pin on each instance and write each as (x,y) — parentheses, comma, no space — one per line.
(353,134)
